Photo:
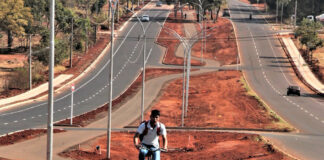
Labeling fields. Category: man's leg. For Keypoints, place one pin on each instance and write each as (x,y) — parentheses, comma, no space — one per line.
(142,153)
(156,154)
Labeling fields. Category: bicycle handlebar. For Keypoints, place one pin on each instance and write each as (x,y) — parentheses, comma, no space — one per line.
(158,149)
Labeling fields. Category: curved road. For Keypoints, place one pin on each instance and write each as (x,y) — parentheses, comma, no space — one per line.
(92,91)
(269,73)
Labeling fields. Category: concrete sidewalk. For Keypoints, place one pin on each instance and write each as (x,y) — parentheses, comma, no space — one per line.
(301,66)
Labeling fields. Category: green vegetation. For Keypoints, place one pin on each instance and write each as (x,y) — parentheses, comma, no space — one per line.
(304,8)
(308,36)
(14,16)
(280,122)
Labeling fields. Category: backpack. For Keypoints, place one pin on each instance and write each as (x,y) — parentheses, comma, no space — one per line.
(146,130)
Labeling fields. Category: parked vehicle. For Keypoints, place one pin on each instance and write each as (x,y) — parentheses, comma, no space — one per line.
(293,90)
(310,17)
(320,18)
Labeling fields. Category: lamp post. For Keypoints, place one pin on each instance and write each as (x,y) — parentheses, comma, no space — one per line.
(277,12)
(295,14)
(30,63)
(143,68)
(203,28)
(49,152)
(186,67)
(110,76)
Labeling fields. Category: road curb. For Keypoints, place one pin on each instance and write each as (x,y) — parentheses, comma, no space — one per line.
(297,72)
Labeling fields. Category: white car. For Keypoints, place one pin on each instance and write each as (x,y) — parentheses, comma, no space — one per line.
(320,17)
(145,18)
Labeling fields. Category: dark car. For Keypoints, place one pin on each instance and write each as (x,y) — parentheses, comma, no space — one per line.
(226,12)
(158,3)
(293,90)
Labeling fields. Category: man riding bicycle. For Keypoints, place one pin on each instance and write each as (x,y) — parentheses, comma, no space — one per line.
(147,136)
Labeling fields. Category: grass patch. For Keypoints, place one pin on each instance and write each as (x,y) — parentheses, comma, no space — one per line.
(59,68)
(281,123)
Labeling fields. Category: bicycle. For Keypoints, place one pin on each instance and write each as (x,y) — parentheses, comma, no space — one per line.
(149,155)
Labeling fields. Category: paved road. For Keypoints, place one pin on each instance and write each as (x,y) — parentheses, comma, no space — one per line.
(92,91)
(269,72)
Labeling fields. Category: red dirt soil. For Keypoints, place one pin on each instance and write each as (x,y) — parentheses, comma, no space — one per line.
(202,145)
(168,40)
(216,99)
(260,5)
(221,44)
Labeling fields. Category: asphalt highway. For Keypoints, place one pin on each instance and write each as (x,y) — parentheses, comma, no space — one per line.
(269,73)
(92,91)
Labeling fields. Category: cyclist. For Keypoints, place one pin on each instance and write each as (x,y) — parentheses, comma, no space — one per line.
(148,133)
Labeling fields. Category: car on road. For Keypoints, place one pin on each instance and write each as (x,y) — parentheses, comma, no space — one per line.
(145,18)
(293,90)
(226,12)
(158,3)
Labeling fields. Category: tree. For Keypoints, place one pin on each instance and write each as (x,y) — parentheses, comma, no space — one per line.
(308,36)
(13,17)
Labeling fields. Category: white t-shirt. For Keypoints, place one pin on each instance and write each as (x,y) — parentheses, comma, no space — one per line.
(151,138)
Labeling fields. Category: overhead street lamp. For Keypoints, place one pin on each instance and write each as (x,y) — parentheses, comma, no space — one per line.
(143,68)
(187,46)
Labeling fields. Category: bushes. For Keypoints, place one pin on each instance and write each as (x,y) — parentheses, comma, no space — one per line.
(20,77)
(61,52)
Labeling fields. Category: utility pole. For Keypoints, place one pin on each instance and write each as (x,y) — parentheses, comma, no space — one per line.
(30,63)
(49,153)
(143,79)
(277,12)
(183,87)
(110,79)
(281,16)
(295,14)
(187,79)
(71,44)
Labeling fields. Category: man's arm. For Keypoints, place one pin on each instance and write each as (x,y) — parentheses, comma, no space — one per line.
(165,142)
(136,140)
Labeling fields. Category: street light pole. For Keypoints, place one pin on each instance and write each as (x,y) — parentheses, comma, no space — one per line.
(71,45)
(143,80)
(110,79)
(143,68)
(30,63)
(281,16)
(295,14)
(277,12)
(49,153)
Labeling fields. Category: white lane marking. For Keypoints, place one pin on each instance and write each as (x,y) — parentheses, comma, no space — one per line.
(281,70)
(32,117)
(7,123)
(24,119)
(15,121)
